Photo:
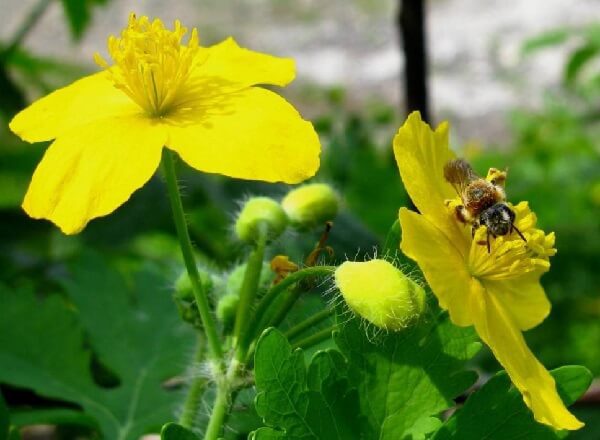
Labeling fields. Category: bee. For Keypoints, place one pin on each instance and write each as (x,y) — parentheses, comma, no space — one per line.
(483,200)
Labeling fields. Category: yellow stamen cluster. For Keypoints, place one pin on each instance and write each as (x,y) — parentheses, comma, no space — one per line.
(151,65)
(510,256)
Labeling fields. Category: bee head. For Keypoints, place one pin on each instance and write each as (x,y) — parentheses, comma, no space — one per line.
(498,219)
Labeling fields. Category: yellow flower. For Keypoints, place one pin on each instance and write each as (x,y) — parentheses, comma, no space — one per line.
(499,293)
(110,127)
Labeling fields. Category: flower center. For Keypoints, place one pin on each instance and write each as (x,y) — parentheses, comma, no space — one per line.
(509,255)
(151,65)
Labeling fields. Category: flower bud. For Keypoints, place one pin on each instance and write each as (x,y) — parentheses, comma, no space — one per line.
(227,308)
(379,292)
(260,212)
(183,285)
(311,205)
(236,278)
(189,313)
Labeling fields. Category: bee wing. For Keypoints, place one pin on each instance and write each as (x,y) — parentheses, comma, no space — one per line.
(459,174)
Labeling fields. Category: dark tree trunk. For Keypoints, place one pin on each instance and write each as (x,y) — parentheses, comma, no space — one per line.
(411,22)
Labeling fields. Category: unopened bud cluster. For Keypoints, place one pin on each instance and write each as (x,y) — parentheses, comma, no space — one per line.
(305,207)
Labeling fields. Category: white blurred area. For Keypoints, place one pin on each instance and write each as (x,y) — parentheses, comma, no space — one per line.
(477,72)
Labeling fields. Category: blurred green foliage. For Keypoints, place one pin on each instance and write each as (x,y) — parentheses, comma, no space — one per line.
(79,14)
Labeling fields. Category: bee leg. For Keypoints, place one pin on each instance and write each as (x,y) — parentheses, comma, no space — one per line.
(461,213)
(512,226)
(488,241)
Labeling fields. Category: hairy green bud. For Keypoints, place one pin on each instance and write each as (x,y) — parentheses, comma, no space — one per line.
(380,293)
(183,285)
(257,213)
(227,308)
(236,277)
(311,205)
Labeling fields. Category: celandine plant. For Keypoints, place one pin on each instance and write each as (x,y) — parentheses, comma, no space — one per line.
(163,97)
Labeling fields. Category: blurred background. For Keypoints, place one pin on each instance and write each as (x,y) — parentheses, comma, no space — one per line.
(518,81)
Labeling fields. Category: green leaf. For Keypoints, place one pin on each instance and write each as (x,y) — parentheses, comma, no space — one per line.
(545,40)
(497,410)
(297,404)
(133,330)
(391,246)
(173,431)
(404,378)
(577,61)
(78,13)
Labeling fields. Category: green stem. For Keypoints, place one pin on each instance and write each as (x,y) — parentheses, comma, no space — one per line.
(282,286)
(392,240)
(300,328)
(264,319)
(194,394)
(315,338)
(208,324)
(247,294)
(284,308)
(217,416)
(30,21)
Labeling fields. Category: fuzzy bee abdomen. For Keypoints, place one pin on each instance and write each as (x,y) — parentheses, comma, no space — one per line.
(479,195)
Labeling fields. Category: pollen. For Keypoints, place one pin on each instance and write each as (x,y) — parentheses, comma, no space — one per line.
(510,256)
(151,63)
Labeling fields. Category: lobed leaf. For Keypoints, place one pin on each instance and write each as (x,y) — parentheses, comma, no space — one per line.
(301,404)
(405,378)
(134,331)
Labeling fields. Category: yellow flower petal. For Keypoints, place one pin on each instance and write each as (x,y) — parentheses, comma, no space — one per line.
(90,98)
(229,67)
(421,155)
(500,332)
(92,170)
(441,263)
(524,298)
(251,134)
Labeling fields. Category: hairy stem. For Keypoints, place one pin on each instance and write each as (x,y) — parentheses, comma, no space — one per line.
(215,350)
(263,319)
(300,328)
(219,411)
(315,338)
(282,286)
(247,294)
(284,308)
(194,394)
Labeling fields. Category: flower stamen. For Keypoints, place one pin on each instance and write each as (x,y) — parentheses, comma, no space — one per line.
(510,256)
(151,65)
